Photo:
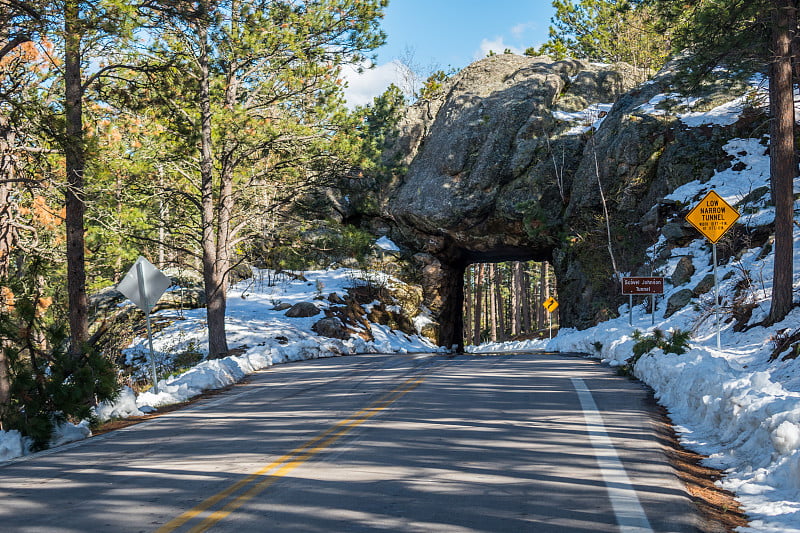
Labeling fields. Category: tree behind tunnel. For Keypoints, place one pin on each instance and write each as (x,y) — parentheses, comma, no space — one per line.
(503,300)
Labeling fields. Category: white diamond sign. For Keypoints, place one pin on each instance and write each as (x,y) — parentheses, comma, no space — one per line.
(144,284)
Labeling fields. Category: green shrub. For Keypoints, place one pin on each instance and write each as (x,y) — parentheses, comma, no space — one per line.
(676,342)
(47,384)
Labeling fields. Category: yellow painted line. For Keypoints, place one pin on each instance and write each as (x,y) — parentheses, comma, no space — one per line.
(290,461)
(343,428)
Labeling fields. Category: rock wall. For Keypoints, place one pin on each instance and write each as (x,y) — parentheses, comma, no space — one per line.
(512,161)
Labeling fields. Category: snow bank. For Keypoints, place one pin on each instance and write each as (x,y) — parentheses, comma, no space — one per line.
(66,432)
(123,407)
(13,444)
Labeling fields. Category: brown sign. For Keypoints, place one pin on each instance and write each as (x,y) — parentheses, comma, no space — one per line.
(634,286)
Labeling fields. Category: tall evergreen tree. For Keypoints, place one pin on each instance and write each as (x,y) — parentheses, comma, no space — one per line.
(251,90)
(608,31)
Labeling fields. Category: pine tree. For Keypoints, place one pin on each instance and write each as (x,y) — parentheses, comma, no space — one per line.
(254,83)
(478,307)
(607,31)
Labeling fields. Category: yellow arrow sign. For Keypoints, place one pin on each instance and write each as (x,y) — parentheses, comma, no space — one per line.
(713,216)
(550,304)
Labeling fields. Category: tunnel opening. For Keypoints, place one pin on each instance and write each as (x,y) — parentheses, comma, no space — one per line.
(503,300)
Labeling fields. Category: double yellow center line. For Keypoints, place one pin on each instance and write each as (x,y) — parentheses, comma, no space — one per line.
(255,483)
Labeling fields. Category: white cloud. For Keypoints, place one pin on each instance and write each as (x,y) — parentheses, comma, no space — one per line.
(362,88)
(496,45)
(519,30)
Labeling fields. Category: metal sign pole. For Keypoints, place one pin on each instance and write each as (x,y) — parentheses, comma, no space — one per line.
(550,324)
(143,293)
(630,309)
(652,309)
(716,296)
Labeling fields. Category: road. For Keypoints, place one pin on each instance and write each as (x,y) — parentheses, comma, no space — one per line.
(471,443)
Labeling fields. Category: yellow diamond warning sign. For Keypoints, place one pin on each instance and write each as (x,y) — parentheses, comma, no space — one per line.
(713,216)
(550,304)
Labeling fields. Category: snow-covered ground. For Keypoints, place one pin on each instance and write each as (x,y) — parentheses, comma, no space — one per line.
(265,335)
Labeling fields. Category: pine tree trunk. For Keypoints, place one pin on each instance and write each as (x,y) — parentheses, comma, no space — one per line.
(498,296)
(467,309)
(8,172)
(516,298)
(492,297)
(213,271)
(526,302)
(74,196)
(7,238)
(162,217)
(782,157)
(548,318)
(476,334)
(541,319)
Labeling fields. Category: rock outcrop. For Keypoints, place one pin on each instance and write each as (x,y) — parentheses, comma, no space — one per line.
(526,158)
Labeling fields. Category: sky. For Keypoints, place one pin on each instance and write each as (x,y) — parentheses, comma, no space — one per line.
(445,34)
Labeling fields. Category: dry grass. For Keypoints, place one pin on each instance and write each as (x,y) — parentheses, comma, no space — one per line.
(719,510)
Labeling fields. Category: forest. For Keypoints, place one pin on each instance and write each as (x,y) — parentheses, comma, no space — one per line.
(210,135)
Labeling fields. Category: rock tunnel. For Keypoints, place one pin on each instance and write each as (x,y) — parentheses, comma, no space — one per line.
(443,285)
(475,179)
(525,158)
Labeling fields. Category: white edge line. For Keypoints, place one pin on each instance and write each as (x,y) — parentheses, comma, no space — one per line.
(630,516)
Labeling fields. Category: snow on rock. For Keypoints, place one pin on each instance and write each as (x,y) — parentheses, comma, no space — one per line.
(723,115)
(66,432)
(386,244)
(589,118)
(124,406)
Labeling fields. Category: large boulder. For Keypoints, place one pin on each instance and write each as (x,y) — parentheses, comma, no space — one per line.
(331,327)
(488,152)
(302,310)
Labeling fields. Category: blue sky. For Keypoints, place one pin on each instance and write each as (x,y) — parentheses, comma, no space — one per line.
(450,33)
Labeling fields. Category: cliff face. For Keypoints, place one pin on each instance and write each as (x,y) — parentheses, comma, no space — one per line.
(512,161)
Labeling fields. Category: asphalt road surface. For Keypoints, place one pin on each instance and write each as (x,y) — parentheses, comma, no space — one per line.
(424,443)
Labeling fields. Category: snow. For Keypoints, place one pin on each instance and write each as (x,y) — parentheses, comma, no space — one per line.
(725,114)
(587,119)
(13,444)
(386,244)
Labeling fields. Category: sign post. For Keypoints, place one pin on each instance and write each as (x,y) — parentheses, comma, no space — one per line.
(143,285)
(633,286)
(712,217)
(550,305)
